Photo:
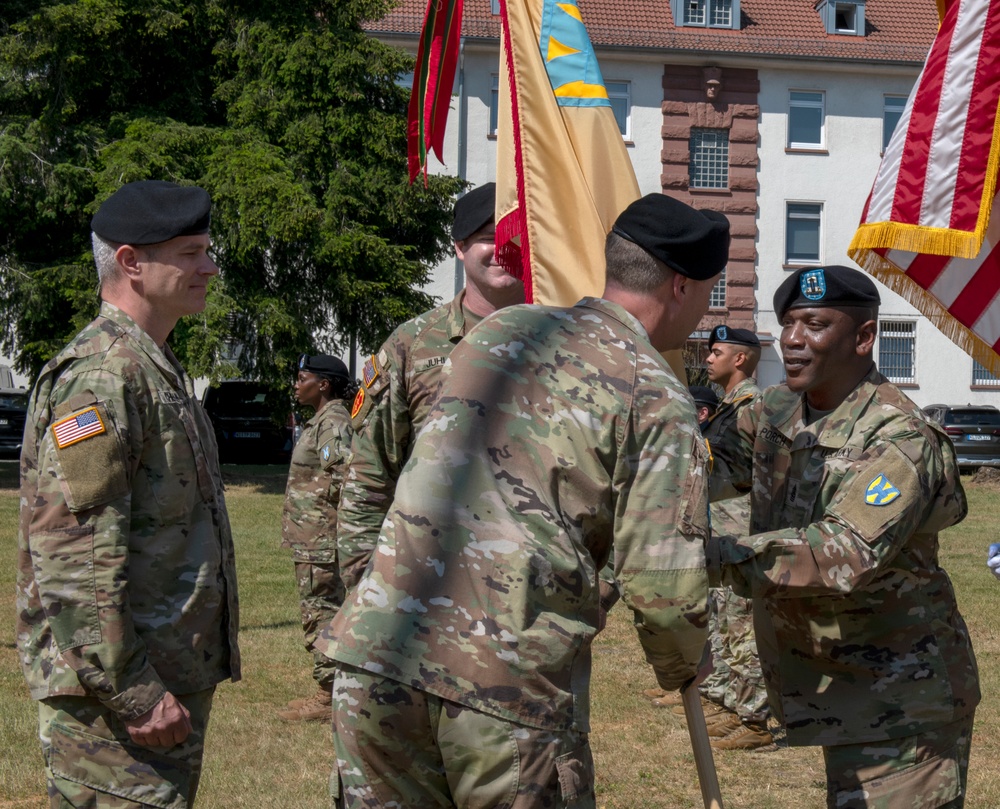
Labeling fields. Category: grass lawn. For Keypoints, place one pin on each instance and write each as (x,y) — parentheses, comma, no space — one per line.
(642,754)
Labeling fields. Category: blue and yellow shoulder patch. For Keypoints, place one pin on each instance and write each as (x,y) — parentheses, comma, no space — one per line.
(880,491)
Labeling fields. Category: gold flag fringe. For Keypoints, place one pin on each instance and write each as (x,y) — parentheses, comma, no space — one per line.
(929,306)
(918,239)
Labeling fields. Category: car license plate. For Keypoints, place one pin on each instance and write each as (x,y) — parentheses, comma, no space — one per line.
(979,438)
(246,435)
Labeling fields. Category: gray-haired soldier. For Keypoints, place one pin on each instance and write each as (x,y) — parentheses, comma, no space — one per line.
(464,651)
(126,583)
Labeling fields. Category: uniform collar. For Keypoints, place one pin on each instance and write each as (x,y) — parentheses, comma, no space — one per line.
(618,312)
(748,387)
(834,430)
(163,358)
(460,320)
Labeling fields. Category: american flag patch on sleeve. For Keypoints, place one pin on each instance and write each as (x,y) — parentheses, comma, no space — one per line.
(77,427)
(370,372)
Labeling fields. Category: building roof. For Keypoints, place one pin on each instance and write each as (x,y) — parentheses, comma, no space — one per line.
(898,31)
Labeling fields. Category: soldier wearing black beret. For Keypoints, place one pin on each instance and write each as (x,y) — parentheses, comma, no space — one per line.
(862,645)
(706,401)
(120,462)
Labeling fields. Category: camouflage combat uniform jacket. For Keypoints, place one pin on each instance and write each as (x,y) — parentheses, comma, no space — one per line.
(730,509)
(858,631)
(563,432)
(309,518)
(400,386)
(126,582)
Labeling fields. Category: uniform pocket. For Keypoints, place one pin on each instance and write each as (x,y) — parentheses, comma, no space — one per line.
(113,768)
(576,776)
(63,564)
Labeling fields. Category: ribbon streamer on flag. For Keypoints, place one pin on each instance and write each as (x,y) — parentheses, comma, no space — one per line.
(563,173)
(433,77)
(926,230)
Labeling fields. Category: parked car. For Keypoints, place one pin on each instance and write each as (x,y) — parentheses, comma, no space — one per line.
(973,429)
(13,410)
(248,426)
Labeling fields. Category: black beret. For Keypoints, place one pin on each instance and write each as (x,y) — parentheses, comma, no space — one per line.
(474,210)
(324,365)
(727,334)
(825,286)
(693,243)
(704,395)
(152,211)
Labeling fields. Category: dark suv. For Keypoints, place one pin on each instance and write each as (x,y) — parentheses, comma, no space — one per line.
(246,426)
(13,409)
(973,429)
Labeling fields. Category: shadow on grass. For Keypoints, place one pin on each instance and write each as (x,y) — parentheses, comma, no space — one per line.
(260,479)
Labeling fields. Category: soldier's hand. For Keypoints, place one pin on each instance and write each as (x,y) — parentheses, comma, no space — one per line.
(168,723)
(993,559)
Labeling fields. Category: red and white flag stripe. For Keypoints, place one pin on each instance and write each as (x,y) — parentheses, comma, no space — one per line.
(926,229)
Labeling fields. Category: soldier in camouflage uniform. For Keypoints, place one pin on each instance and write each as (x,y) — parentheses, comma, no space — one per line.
(860,639)
(736,681)
(465,648)
(309,521)
(126,583)
(401,382)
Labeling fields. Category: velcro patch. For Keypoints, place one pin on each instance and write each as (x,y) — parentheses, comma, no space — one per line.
(77,427)
(370,372)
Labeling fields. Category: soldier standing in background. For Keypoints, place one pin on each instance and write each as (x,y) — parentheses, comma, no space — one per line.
(401,382)
(862,646)
(309,519)
(464,651)
(126,583)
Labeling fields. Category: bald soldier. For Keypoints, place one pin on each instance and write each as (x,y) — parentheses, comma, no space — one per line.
(126,583)
(862,646)
(464,653)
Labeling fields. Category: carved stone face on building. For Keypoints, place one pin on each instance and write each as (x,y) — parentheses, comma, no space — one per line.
(713,82)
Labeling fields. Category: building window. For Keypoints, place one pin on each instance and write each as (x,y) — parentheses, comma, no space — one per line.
(709,167)
(717,299)
(495,8)
(707,13)
(843,16)
(620,96)
(494,102)
(981,376)
(802,221)
(805,120)
(892,111)
(897,349)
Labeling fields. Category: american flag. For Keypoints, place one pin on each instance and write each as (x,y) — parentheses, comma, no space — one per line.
(77,427)
(926,230)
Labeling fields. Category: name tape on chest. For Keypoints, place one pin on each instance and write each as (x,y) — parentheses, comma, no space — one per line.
(78,427)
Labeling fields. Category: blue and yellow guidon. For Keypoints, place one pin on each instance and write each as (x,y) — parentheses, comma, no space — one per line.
(880,492)
(569,57)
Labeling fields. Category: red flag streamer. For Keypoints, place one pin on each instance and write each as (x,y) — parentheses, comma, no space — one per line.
(433,77)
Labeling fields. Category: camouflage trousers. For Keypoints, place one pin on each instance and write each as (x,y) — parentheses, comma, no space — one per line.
(736,681)
(91,763)
(397,746)
(321,595)
(927,771)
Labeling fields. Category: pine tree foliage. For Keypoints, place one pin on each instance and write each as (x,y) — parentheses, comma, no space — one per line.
(288,113)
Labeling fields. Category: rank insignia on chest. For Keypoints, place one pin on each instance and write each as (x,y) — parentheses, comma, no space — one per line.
(78,427)
(880,492)
(359,401)
(813,284)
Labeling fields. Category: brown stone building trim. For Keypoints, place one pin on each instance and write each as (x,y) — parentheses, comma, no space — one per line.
(733,106)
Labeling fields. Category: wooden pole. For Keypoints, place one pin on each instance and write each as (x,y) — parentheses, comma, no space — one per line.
(710,792)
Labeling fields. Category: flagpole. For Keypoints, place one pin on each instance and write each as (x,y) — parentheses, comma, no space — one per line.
(711,795)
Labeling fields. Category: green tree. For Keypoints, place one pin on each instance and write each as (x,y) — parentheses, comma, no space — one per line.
(288,113)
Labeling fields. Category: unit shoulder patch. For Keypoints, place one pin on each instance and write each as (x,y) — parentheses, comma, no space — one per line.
(880,491)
